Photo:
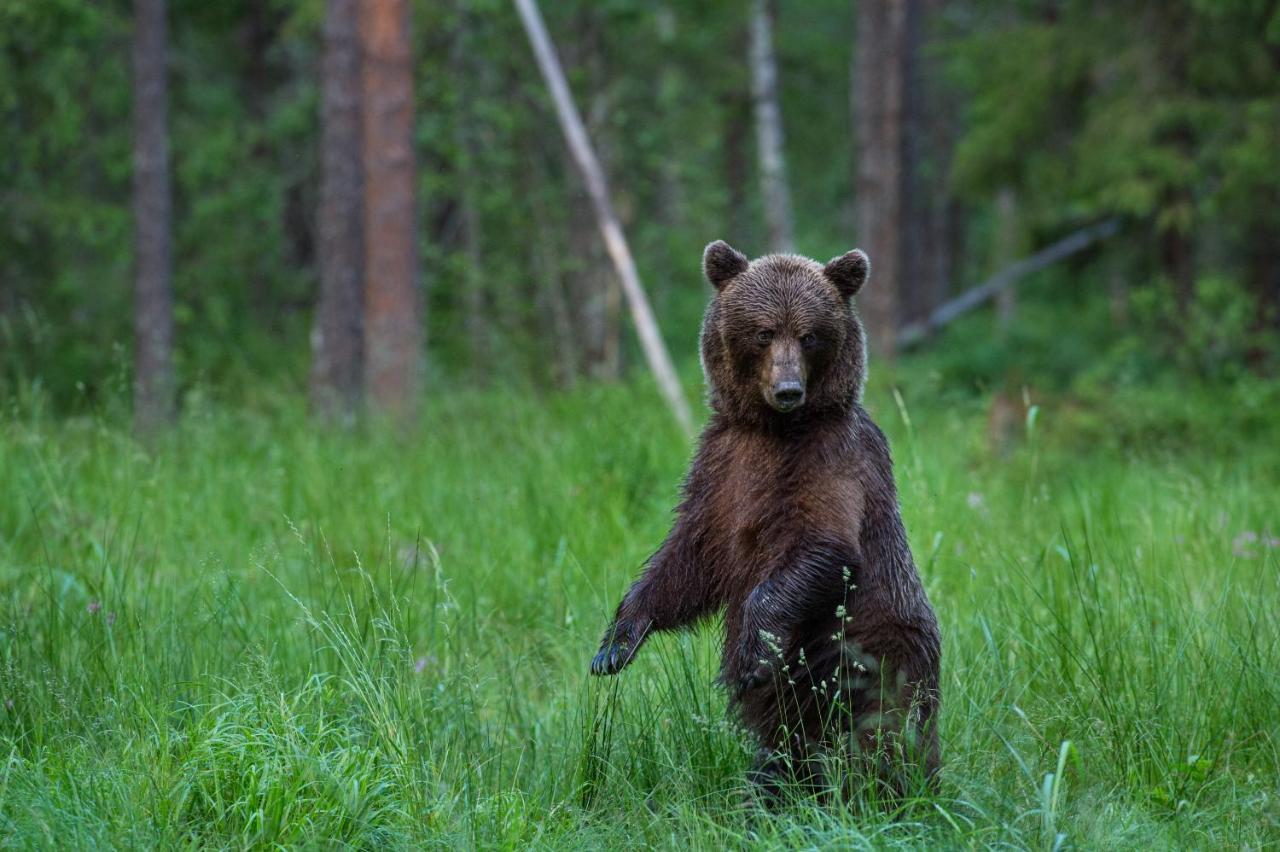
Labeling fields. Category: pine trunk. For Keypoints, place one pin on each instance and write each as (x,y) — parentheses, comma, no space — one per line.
(879,71)
(593,297)
(154,384)
(337,335)
(392,302)
(478,315)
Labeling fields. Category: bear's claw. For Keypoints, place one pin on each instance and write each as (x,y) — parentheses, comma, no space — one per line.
(756,678)
(611,659)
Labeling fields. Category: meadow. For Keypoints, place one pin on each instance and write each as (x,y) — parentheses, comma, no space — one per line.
(256,633)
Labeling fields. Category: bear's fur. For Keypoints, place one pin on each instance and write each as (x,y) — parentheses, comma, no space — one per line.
(789,523)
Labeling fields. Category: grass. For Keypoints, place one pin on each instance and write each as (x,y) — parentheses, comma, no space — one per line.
(259,634)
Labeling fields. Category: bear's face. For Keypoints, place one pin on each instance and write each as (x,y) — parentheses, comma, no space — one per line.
(780,339)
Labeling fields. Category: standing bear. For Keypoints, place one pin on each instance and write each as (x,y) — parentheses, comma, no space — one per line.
(789,523)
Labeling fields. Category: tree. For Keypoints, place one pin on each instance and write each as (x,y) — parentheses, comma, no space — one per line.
(930,226)
(477,311)
(773,164)
(392,302)
(1006,252)
(337,334)
(878,92)
(594,297)
(154,385)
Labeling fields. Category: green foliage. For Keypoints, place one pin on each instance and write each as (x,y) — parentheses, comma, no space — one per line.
(1163,113)
(1174,131)
(1216,336)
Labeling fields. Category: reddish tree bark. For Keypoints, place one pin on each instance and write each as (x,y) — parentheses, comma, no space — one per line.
(337,334)
(393,313)
(154,385)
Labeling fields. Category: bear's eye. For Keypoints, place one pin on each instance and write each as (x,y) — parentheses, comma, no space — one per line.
(764,337)
(808,341)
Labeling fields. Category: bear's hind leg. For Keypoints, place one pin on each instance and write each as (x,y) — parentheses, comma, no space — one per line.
(777,777)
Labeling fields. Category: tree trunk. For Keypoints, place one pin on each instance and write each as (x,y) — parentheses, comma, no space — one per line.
(930,117)
(593,287)
(1005,253)
(1177,259)
(610,230)
(593,294)
(915,194)
(1117,293)
(769,138)
(477,314)
(671,200)
(154,385)
(392,301)
(557,317)
(737,128)
(878,95)
(337,334)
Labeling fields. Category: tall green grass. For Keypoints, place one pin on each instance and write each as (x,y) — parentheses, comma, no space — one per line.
(260,634)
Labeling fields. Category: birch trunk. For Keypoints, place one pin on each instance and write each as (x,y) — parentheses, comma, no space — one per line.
(769,137)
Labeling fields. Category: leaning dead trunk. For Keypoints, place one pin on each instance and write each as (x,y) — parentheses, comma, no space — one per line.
(153,389)
(615,242)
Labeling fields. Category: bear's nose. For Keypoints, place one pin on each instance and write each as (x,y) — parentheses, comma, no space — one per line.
(788,394)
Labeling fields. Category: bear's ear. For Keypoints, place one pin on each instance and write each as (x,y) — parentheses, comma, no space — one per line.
(848,272)
(721,262)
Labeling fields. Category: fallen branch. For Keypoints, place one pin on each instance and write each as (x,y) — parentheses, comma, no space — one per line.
(914,332)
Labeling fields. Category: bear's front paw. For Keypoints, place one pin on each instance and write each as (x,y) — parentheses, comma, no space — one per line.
(612,658)
(754,667)
(756,677)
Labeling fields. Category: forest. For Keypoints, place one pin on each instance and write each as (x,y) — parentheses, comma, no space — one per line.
(349,366)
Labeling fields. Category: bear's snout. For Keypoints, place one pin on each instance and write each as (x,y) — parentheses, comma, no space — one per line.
(784,379)
(787,395)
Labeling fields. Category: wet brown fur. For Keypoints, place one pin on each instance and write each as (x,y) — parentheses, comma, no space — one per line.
(789,524)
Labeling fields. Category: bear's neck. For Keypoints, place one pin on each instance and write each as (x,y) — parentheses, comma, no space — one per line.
(804,422)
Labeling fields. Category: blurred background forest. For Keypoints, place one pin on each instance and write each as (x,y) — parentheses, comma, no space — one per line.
(949,140)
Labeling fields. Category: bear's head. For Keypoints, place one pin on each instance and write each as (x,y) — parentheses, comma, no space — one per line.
(781,342)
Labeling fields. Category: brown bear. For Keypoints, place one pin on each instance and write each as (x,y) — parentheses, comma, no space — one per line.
(789,523)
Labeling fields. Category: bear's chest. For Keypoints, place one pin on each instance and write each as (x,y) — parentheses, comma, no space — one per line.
(769,503)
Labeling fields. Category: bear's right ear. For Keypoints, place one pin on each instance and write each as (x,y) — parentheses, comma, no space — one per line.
(721,262)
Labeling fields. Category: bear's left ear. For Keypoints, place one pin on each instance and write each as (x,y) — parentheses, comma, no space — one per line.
(848,272)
